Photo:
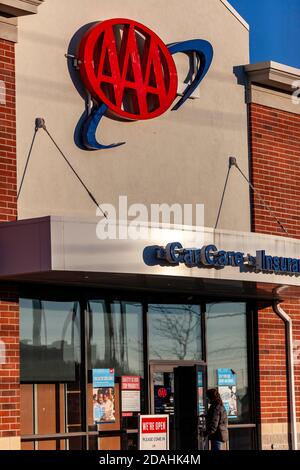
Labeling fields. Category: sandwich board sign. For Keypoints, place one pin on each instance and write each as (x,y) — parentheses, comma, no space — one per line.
(154,432)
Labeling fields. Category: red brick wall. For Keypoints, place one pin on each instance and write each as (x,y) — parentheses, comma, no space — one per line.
(293,310)
(8,172)
(275,168)
(9,310)
(272,368)
(10,370)
(275,142)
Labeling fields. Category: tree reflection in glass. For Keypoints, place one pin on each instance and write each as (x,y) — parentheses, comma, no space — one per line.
(174,332)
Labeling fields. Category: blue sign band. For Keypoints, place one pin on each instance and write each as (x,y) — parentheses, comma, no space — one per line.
(209,256)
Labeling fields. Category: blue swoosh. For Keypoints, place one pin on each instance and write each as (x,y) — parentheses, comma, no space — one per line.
(89,130)
(205,53)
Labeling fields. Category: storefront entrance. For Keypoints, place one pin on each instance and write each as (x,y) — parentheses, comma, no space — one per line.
(165,345)
(178,389)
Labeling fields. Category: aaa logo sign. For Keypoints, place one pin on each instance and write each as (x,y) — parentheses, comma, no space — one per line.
(128,68)
(130,73)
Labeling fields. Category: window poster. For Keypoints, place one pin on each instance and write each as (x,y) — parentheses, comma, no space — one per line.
(154,432)
(227,389)
(200,388)
(131,395)
(104,395)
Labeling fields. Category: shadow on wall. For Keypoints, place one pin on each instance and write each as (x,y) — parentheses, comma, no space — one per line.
(75,77)
(241,78)
(91,105)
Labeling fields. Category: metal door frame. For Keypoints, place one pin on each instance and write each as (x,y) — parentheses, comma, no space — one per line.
(169,364)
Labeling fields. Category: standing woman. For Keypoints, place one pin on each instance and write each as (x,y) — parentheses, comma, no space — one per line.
(216,420)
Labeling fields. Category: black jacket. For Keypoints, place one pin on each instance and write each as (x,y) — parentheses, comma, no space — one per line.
(217,423)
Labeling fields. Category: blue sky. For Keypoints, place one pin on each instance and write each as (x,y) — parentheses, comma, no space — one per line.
(275,29)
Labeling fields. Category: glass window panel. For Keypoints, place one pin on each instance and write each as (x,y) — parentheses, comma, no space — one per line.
(50,408)
(45,409)
(74,410)
(227,348)
(27,446)
(47,445)
(49,340)
(116,337)
(241,439)
(174,332)
(27,409)
(73,443)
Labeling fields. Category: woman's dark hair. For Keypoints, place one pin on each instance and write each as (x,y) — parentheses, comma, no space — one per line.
(214,396)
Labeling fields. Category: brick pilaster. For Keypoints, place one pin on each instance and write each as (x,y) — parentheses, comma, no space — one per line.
(275,168)
(9,309)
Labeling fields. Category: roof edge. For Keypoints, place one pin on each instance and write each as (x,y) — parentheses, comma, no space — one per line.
(273,74)
(16,8)
(236,14)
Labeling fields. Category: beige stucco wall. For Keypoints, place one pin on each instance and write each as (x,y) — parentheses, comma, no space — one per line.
(274,436)
(180,157)
(10,443)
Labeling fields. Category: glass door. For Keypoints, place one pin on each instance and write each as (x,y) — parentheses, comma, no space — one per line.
(168,395)
(162,394)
